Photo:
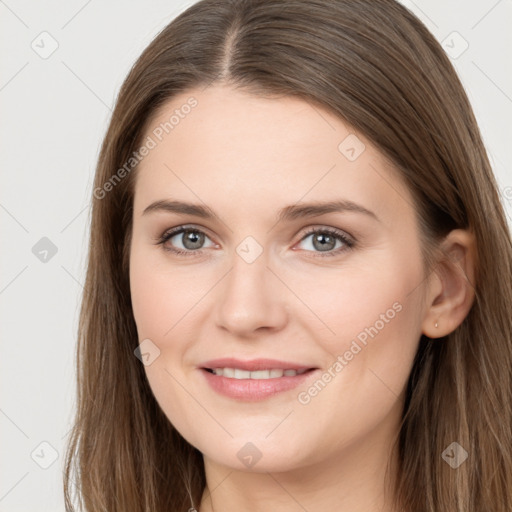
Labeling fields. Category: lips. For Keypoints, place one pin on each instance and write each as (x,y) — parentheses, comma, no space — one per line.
(239,385)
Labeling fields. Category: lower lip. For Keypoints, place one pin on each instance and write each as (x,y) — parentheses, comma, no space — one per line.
(254,389)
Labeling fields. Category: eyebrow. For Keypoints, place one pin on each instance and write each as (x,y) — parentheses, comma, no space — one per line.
(288,213)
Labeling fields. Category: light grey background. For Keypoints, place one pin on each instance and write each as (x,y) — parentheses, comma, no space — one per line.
(54,111)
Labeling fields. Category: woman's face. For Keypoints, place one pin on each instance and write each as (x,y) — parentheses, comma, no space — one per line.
(254,283)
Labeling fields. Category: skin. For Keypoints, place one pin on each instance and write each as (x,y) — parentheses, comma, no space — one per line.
(246,157)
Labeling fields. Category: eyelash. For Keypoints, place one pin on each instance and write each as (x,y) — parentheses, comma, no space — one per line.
(167,235)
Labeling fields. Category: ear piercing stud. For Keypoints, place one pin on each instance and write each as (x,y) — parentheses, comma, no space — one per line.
(436,325)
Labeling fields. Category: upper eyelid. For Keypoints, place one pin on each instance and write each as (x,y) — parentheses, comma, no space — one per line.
(178,230)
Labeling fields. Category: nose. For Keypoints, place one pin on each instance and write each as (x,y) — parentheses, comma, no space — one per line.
(251,298)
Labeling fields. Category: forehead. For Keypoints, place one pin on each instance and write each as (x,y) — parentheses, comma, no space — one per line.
(227,147)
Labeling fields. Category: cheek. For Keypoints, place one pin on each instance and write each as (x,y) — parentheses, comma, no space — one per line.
(362,386)
(159,302)
(346,303)
(370,317)
(160,296)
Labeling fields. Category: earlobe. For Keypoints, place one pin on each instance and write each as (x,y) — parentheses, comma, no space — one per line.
(451,299)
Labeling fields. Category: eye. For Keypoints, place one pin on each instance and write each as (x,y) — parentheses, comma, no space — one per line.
(324,241)
(191,239)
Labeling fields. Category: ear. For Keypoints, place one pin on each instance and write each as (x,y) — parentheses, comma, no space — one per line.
(451,290)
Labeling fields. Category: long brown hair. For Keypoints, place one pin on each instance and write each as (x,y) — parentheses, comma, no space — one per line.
(377,67)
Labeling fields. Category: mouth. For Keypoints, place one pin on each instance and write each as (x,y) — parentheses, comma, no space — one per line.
(254,380)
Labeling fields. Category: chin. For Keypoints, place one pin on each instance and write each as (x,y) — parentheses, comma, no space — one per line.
(256,456)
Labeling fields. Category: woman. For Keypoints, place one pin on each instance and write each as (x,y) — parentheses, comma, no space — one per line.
(224,362)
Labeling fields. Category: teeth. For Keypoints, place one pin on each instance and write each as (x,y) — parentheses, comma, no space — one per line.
(237,373)
(242,374)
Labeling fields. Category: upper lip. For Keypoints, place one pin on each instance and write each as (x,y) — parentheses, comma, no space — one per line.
(254,364)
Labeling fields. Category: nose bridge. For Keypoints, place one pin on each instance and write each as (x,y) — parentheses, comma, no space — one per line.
(249,264)
(249,298)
